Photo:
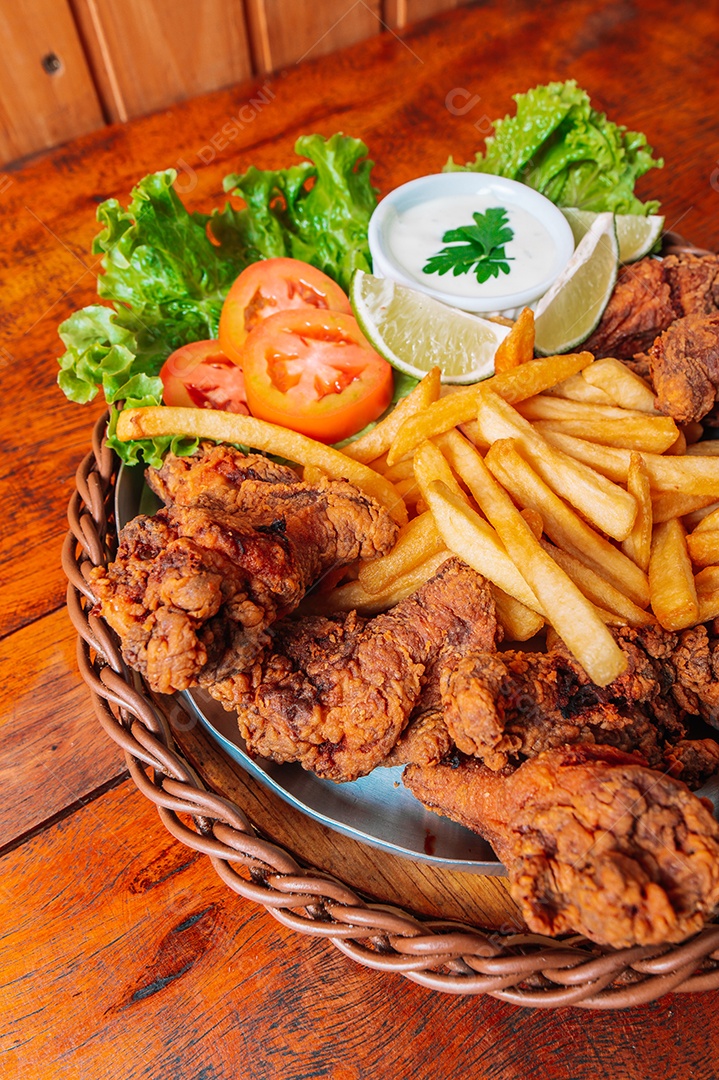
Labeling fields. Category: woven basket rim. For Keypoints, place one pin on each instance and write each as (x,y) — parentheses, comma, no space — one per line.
(442,955)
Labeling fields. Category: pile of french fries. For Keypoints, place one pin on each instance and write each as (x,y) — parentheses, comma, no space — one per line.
(556,479)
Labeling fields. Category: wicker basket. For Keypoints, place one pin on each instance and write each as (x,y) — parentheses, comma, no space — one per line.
(450,957)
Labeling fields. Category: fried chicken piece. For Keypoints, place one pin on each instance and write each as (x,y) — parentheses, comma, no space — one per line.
(649,296)
(594,842)
(328,514)
(194,589)
(426,739)
(503,707)
(684,367)
(336,693)
(639,308)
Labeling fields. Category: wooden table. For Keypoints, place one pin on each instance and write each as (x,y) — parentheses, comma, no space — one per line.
(122,952)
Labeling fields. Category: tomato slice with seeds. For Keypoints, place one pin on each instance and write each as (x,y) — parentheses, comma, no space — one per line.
(200,375)
(315,372)
(267,287)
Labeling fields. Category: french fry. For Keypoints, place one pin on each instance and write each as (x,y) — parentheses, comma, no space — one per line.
(430,464)
(562,525)
(400,471)
(417,542)
(408,490)
(705,448)
(534,520)
(248,430)
(603,424)
(519,623)
(565,607)
(518,346)
(678,447)
(354,597)
(514,385)
(576,388)
(476,542)
(609,507)
(548,407)
(689,474)
(674,504)
(597,589)
(708,522)
(312,475)
(704,547)
(707,580)
(638,544)
(377,441)
(691,519)
(671,580)
(623,386)
(649,434)
(708,606)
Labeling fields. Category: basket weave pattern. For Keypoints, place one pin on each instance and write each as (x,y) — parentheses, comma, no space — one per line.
(524,969)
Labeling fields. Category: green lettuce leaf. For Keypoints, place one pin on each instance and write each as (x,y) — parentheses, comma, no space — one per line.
(317,211)
(166,271)
(559,145)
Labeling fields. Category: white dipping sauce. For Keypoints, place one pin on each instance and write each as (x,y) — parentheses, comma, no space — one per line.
(416,233)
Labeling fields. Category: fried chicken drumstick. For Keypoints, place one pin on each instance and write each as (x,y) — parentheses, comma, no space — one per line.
(336,693)
(194,589)
(505,706)
(594,842)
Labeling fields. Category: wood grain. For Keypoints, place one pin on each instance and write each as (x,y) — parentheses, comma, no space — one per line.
(37,108)
(399,14)
(148,54)
(54,752)
(312,28)
(123,954)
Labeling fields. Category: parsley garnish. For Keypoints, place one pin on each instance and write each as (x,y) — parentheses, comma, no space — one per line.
(478,247)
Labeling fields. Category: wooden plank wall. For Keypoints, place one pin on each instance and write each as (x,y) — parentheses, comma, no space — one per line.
(73,65)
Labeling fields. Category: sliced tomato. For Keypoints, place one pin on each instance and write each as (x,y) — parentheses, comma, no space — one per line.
(315,372)
(200,375)
(270,286)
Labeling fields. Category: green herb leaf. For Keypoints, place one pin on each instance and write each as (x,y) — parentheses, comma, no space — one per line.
(478,247)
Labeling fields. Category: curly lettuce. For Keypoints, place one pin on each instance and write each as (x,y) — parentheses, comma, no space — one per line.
(559,145)
(166,271)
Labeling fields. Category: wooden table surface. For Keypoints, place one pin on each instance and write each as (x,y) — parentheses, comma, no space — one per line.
(121,953)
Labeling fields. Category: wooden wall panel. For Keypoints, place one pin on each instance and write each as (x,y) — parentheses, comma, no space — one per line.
(39,109)
(285,32)
(400,13)
(147,54)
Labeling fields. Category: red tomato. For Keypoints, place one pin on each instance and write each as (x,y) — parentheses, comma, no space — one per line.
(269,286)
(316,373)
(200,375)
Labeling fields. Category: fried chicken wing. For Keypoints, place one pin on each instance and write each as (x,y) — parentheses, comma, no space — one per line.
(336,693)
(649,296)
(684,367)
(503,707)
(594,842)
(194,589)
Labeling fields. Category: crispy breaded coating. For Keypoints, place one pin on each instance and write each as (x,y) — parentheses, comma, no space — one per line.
(194,589)
(336,693)
(594,842)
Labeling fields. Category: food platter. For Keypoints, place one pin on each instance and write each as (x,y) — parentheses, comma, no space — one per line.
(375,809)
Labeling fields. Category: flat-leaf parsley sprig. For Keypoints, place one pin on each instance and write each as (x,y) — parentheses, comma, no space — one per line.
(478,247)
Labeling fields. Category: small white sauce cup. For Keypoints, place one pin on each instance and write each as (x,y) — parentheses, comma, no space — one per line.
(508,193)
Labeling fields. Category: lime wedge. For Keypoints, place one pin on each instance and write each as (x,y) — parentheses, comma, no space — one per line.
(636,233)
(415,332)
(567,314)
